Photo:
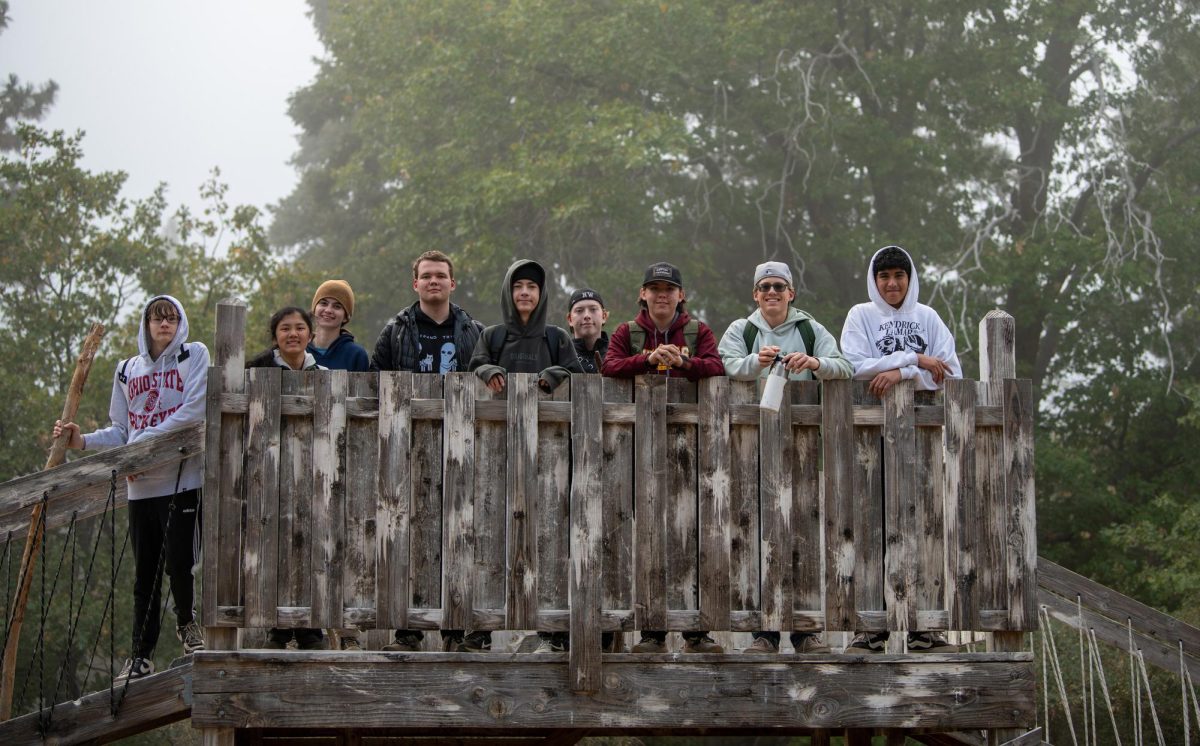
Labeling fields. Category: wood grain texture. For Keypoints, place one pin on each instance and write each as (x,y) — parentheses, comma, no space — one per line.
(650,486)
(680,506)
(962,509)
(744,548)
(393,485)
(617,475)
(497,690)
(361,499)
(587,466)
(1020,498)
(776,513)
(426,463)
(522,513)
(868,507)
(553,508)
(329,495)
(807,556)
(491,510)
(295,496)
(714,503)
(458,465)
(839,446)
(900,507)
(260,559)
(929,590)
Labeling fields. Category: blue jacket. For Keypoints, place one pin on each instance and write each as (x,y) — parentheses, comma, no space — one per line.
(343,354)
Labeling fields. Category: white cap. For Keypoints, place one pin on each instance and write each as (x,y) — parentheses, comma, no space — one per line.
(772,269)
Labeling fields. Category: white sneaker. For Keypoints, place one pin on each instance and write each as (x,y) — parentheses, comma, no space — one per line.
(135,668)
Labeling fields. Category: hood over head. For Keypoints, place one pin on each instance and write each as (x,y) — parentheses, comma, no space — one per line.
(529,270)
(910,300)
(181,331)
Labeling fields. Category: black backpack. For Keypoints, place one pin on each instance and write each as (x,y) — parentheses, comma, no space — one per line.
(637,336)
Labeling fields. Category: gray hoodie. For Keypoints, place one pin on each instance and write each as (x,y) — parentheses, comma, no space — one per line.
(526,347)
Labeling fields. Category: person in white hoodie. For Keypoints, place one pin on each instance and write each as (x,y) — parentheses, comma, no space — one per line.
(160,390)
(806,350)
(890,339)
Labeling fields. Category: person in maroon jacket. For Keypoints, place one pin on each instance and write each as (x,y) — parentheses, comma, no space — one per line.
(664,340)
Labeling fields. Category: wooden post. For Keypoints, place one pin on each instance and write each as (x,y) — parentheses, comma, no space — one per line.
(522,553)
(58,452)
(650,484)
(587,466)
(838,444)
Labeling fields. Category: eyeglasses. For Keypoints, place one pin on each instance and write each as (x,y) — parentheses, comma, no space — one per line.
(772,287)
(168,319)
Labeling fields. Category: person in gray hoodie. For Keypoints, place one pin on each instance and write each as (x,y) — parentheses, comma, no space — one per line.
(160,390)
(525,343)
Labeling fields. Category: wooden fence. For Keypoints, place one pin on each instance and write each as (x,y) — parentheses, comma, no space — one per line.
(395,500)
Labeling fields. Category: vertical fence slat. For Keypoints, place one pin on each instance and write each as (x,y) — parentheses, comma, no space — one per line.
(1020,497)
(714,489)
(587,465)
(260,560)
(223,464)
(329,491)
(458,468)
(775,509)
(425,563)
(618,502)
(743,504)
(899,446)
(649,551)
(393,485)
(553,507)
(838,447)
(961,511)
(867,505)
(806,504)
(295,495)
(680,504)
(491,510)
(997,361)
(929,593)
(522,601)
(362,471)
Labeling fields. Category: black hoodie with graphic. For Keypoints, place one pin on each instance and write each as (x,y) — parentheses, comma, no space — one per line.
(525,348)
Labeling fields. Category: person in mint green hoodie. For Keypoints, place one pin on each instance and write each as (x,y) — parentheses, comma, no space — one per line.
(806,349)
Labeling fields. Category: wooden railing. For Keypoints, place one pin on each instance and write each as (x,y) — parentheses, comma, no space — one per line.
(396,500)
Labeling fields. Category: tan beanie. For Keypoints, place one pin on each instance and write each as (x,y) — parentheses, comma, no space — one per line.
(340,291)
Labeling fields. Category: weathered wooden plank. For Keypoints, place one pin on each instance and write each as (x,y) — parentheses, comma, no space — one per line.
(587,467)
(295,496)
(679,503)
(425,565)
(553,509)
(1021,499)
(900,508)
(961,514)
(491,510)
(776,511)
(329,496)
(1120,608)
(617,561)
(714,503)
(260,558)
(223,515)
(839,448)
(151,702)
(997,361)
(210,516)
(497,690)
(807,557)
(929,590)
(458,468)
(362,474)
(868,508)
(394,507)
(522,517)
(744,550)
(650,500)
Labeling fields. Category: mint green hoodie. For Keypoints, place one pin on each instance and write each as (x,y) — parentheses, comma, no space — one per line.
(742,364)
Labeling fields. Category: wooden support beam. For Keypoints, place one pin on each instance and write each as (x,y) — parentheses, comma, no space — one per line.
(587,466)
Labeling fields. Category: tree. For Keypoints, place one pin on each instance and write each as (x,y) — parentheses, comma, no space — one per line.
(20,101)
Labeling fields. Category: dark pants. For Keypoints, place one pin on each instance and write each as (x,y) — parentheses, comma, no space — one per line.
(162,533)
(795,637)
(661,636)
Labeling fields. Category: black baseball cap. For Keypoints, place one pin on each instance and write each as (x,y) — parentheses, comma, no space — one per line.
(584,294)
(663,272)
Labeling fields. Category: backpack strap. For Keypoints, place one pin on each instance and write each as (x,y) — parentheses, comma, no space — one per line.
(637,336)
(552,342)
(690,332)
(750,333)
(496,341)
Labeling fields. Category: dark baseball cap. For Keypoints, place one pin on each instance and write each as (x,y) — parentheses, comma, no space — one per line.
(663,272)
(585,294)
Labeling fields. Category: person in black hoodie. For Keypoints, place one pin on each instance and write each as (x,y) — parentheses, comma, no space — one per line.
(524,343)
(291,331)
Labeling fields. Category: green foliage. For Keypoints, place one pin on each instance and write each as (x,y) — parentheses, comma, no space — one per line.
(20,101)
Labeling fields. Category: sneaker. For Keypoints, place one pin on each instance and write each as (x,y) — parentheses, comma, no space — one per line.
(807,642)
(650,645)
(311,641)
(762,645)
(135,668)
(929,642)
(549,645)
(612,642)
(273,644)
(476,642)
(703,644)
(351,643)
(407,643)
(191,636)
(867,642)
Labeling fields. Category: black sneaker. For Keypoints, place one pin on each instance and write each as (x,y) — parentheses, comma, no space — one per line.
(476,642)
(191,636)
(405,643)
(929,642)
(135,668)
(868,642)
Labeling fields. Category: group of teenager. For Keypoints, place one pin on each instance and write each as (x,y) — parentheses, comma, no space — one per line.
(890,338)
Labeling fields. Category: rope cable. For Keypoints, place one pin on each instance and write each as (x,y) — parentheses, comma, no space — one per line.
(1094,650)
(1062,688)
(1150,697)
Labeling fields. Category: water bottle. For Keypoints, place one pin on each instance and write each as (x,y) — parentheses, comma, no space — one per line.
(772,396)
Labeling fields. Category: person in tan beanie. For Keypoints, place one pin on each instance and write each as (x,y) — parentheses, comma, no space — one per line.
(332,345)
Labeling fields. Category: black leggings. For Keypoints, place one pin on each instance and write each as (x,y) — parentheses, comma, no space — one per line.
(148,530)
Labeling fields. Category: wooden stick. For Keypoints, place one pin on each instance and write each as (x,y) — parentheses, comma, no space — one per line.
(33,539)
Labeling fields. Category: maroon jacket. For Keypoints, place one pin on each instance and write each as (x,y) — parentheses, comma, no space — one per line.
(621,362)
